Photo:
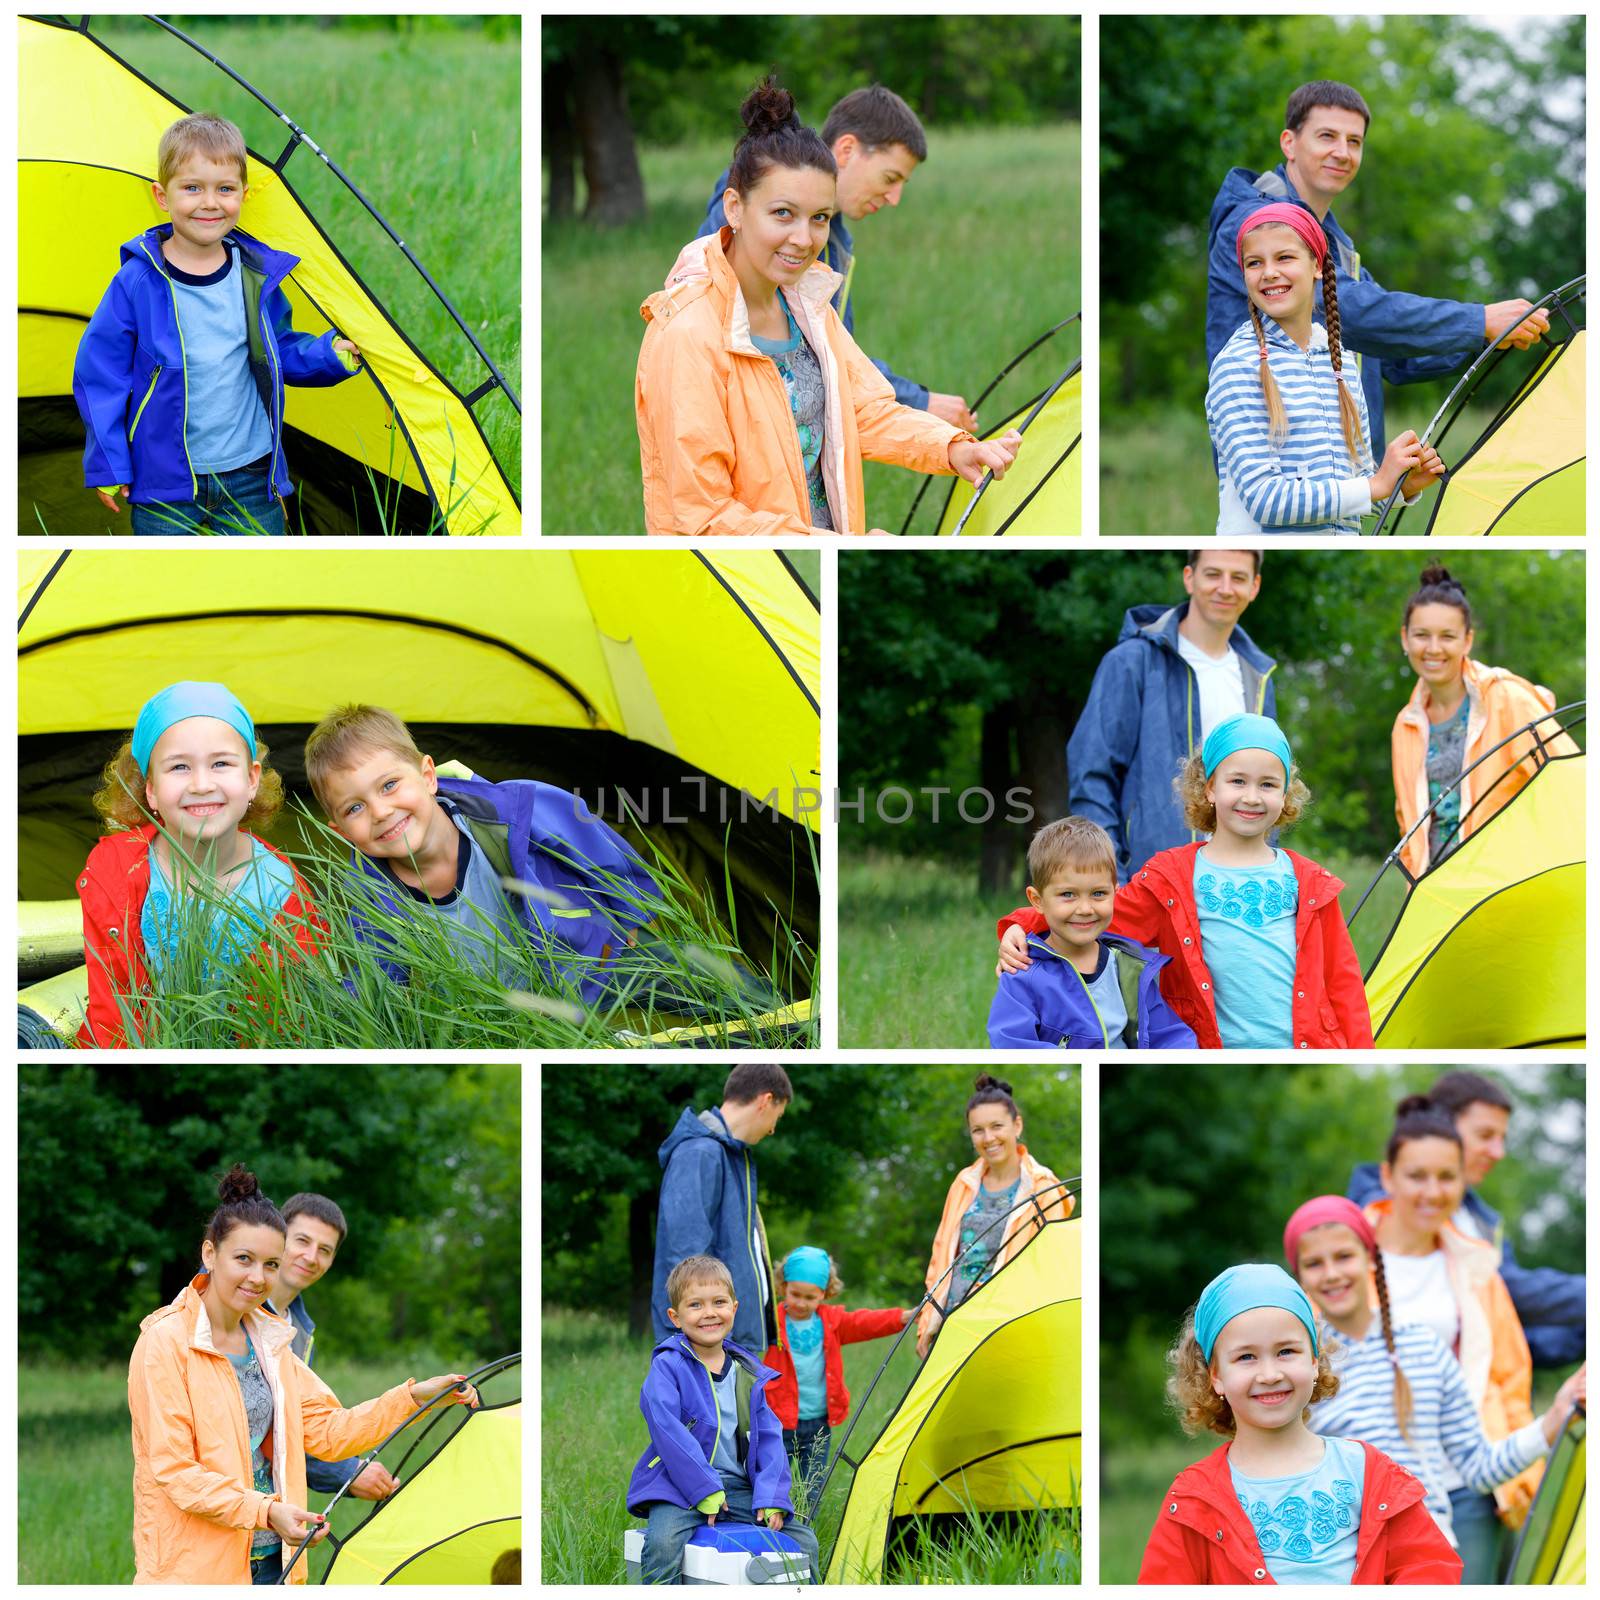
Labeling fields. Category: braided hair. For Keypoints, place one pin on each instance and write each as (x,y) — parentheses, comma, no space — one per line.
(1277,418)
(1402,1385)
(1348,415)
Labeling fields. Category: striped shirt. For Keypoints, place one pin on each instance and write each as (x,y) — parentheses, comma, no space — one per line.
(1444,1430)
(1308,484)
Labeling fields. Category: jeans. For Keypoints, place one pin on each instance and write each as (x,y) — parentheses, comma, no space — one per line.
(1480,1535)
(668,1528)
(269,1568)
(807,1446)
(237,502)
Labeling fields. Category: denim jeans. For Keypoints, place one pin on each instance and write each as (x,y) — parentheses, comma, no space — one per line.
(240,502)
(1480,1535)
(269,1568)
(807,1447)
(668,1528)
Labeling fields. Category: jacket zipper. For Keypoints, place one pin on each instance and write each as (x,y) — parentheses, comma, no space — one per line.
(1105,1038)
(183,356)
(133,427)
(276,420)
(749,1224)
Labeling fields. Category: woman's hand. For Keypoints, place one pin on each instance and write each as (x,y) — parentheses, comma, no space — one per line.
(1574,1392)
(1402,455)
(1014,955)
(293,1523)
(971,458)
(1422,475)
(425,1391)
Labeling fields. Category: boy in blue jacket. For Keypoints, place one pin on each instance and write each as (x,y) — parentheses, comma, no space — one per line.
(716,1449)
(1086,990)
(180,374)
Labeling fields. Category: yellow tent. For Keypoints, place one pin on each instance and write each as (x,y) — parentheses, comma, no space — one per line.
(1488,949)
(993,1419)
(89,127)
(1553,1546)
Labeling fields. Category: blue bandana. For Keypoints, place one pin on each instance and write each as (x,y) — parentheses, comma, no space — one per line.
(807,1264)
(1246,1288)
(179,701)
(1247,731)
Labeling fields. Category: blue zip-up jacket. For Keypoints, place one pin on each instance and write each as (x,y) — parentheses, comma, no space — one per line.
(326,1477)
(1403,338)
(680,1410)
(709,1206)
(557,843)
(1141,719)
(1552,1304)
(836,254)
(1049,1007)
(130,380)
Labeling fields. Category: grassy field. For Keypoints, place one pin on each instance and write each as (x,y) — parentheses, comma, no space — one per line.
(1156,474)
(1002,265)
(917,949)
(75,1466)
(591,1436)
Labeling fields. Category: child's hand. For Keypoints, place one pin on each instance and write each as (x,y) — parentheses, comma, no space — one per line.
(775,1521)
(1014,955)
(1400,458)
(1422,475)
(1574,1392)
(346,344)
(108,497)
(971,457)
(908,1316)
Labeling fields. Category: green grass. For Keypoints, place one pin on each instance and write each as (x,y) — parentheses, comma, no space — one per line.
(917,947)
(1156,474)
(592,1434)
(991,222)
(75,1464)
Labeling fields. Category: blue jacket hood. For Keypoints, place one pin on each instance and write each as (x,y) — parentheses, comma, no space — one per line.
(696,1125)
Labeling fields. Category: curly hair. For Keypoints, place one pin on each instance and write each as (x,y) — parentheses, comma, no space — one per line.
(1201,1408)
(835,1282)
(120,797)
(1199,813)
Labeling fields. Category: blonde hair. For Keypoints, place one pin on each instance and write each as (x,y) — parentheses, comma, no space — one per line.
(835,1282)
(696,1269)
(348,732)
(120,797)
(1200,1408)
(1200,815)
(200,134)
(1070,842)
(1277,418)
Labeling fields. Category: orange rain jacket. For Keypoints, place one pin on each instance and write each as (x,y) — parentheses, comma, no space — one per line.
(1491,1349)
(193,1505)
(717,441)
(1499,703)
(1020,1227)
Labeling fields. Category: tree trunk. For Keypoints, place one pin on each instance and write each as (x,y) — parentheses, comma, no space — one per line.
(641,1259)
(1042,762)
(560,146)
(610,162)
(997,861)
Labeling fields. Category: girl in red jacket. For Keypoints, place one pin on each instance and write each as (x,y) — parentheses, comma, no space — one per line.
(1280,1504)
(808,1396)
(1261,958)
(176,902)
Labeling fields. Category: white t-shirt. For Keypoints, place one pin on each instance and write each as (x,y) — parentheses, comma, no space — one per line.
(1419,1291)
(1465,1222)
(1221,683)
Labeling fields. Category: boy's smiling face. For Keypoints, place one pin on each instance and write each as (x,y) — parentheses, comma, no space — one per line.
(705,1312)
(386,806)
(1076,903)
(203,198)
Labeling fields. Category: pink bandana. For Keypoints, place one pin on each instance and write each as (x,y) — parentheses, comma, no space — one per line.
(1324,1209)
(1292,216)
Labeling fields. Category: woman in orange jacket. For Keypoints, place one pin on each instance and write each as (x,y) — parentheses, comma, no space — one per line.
(1439,1277)
(224,1413)
(973,1243)
(1459,711)
(754,404)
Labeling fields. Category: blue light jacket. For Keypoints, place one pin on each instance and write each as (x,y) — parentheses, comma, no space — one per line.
(680,1410)
(836,254)
(1141,719)
(555,841)
(1049,1007)
(1552,1304)
(130,378)
(1403,338)
(710,1206)
(326,1477)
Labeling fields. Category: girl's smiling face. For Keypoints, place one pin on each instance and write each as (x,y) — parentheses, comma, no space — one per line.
(1280,273)
(1426,1183)
(1333,1269)
(783,222)
(201,780)
(1263,1366)
(800,1300)
(1437,640)
(1247,788)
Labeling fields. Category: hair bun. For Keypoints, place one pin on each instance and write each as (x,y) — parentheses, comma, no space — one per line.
(986,1080)
(767,108)
(237,1183)
(1438,577)
(1413,1104)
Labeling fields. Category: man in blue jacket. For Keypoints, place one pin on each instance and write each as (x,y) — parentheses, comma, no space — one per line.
(1404,338)
(709,1198)
(877,143)
(1551,1304)
(1174,673)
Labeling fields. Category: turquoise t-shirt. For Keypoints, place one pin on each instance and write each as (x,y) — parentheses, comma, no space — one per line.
(801,372)
(1247,933)
(257,1396)
(983,1236)
(1447,751)
(232,927)
(1308,1526)
(805,1346)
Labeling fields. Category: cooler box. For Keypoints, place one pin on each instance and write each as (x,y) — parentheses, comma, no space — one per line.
(737,1553)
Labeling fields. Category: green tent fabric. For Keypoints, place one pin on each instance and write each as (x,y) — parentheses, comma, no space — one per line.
(89,126)
(993,1419)
(1553,1545)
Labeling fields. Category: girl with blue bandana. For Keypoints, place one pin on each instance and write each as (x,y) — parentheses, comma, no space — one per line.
(809,1396)
(179,893)
(1279,1503)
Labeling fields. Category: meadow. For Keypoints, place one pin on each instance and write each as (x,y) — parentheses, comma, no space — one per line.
(592,1434)
(991,218)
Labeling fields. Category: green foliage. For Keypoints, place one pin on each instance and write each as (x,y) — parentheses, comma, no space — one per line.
(121,1181)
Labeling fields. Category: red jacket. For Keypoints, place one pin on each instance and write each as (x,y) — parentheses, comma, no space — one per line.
(839,1327)
(112,888)
(1204,1536)
(1157,907)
